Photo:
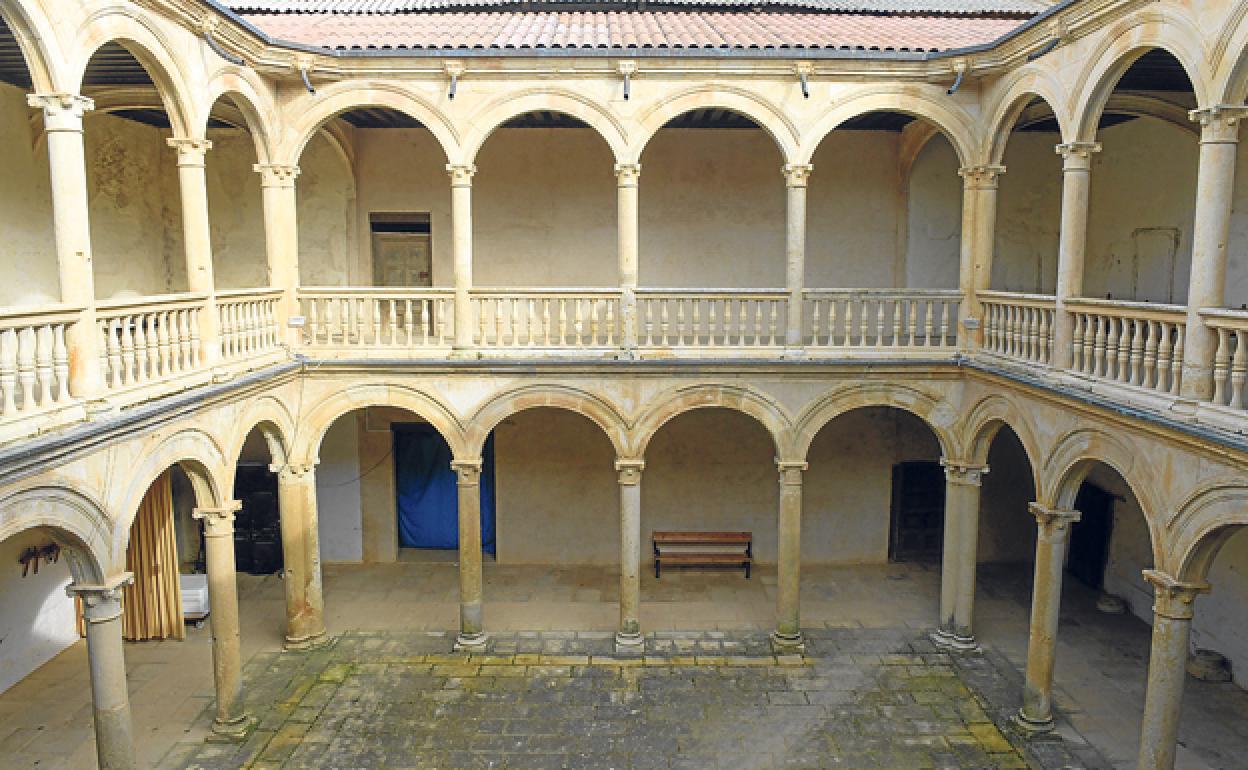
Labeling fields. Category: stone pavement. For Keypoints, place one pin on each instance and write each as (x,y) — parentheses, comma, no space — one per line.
(857,698)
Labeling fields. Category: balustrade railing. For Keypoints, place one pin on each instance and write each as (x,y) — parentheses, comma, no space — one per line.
(546,318)
(1230,360)
(370,317)
(1018,325)
(711,318)
(149,338)
(248,322)
(1134,343)
(34,362)
(881,318)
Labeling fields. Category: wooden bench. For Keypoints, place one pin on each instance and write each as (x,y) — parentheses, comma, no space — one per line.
(722,549)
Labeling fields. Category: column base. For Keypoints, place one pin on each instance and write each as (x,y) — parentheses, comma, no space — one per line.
(474,642)
(953,642)
(233,731)
(306,643)
(629,643)
(1031,727)
(787,643)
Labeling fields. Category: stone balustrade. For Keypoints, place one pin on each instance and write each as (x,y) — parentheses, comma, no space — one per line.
(372,318)
(546,318)
(1132,343)
(1018,326)
(1230,362)
(885,319)
(149,339)
(711,318)
(34,361)
(249,324)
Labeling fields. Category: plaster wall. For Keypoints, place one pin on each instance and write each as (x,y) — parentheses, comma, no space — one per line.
(325,192)
(1029,207)
(1007,530)
(36,617)
(1220,623)
(338,493)
(27,248)
(235,213)
(935,218)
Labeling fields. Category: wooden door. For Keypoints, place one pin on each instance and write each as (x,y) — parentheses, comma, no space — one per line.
(402,259)
(918,512)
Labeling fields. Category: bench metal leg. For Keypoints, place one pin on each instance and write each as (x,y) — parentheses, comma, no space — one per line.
(656,569)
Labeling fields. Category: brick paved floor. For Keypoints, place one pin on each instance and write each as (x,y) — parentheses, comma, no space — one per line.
(858,698)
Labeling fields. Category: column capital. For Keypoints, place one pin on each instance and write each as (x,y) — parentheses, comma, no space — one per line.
(1173,598)
(1077,156)
(191,151)
(62,111)
(791,472)
(290,473)
(276,174)
(218,521)
(627,174)
(964,472)
(461,174)
(980,177)
(1219,124)
(1053,521)
(796,174)
(101,603)
(467,472)
(629,470)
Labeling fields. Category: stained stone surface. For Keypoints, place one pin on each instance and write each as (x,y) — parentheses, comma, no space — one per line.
(857,698)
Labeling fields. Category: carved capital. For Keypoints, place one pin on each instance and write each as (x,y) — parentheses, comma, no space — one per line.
(276,174)
(629,471)
(980,177)
(627,174)
(218,522)
(1053,522)
(963,472)
(1173,598)
(1219,124)
(791,472)
(461,174)
(467,472)
(294,473)
(101,603)
(61,111)
(1077,156)
(796,174)
(191,152)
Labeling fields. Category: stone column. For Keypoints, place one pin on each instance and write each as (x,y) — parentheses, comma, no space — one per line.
(1167,668)
(627,176)
(796,177)
(629,634)
(979,220)
(1215,189)
(193,189)
(1072,243)
(471,626)
(1052,535)
(461,247)
(62,121)
(227,661)
(110,701)
(958,562)
(788,631)
(301,555)
(281,236)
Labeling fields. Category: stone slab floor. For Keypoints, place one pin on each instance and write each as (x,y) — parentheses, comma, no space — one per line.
(45,720)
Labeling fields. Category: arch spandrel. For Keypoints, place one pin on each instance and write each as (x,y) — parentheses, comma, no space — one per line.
(1202,524)
(984,422)
(38,44)
(502,405)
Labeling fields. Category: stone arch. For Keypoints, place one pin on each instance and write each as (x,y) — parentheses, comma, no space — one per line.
(599,411)
(1121,46)
(490,118)
(938,415)
(149,45)
(36,42)
(1204,522)
(76,521)
(1074,456)
(1230,57)
(251,99)
(311,112)
(315,421)
(986,420)
(953,122)
(199,456)
(1030,83)
(684,399)
(275,423)
(739,100)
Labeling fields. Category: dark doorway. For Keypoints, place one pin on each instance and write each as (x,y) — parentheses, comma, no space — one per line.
(257,526)
(426,493)
(1089,537)
(918,512)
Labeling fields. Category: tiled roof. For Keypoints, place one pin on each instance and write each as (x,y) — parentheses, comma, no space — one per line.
(670,29)
(915,7)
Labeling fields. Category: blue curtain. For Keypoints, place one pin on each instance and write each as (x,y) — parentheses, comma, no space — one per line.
(425,492)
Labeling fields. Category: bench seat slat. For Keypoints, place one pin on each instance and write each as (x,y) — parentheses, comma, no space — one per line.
(701,538)
(705,558)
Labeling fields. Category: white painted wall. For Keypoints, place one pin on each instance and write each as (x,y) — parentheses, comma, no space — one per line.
(36,617)
(1029,205)
(935,218)
(338,493)
(235,212)
(1220,622)
(26,248)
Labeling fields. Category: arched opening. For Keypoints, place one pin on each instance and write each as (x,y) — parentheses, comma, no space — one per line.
(1029,203)
(885,206)
(257,524)
(710,470)
(873,498)
(235,209)
(1139,240)
(37,618)
(27,248)
(712,204)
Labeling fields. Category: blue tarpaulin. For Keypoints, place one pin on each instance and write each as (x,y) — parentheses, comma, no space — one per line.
(426,494)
